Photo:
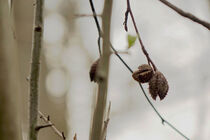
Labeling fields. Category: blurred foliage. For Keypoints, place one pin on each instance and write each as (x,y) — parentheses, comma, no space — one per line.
(131,40)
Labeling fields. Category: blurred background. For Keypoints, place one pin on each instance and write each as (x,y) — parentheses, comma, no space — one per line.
(179,48)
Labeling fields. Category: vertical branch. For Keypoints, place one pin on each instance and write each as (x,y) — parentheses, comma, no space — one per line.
(129,11)
(35,66)
(103,70)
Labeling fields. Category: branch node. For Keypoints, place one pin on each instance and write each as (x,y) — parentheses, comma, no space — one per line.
(48,118)
(75,136)
(63,135)
(34,4)
(38,29)
(43,126)
(162,121)
(126,20)
(47,121)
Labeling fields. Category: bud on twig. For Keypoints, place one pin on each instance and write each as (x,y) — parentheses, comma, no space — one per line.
(93,70)
(158,86)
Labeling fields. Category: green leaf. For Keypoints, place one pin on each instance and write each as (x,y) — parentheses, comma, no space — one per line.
(131,40)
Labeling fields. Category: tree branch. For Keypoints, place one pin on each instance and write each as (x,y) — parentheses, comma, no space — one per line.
(35,68)
(98,26)
(129,11)
(47,120)
(43,126)
(131,71)
(186,14)
(103,71)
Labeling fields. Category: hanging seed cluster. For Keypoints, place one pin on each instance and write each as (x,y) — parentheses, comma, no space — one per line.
(143,74)
(158,85)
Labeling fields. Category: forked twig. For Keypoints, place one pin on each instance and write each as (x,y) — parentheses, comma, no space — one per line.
(159,115)
(35,68)
(47,120)
(186,14)
(129,11)
(43,126)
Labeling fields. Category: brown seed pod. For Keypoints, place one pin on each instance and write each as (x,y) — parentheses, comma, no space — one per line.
(93,70)
(158,86)
(143,74)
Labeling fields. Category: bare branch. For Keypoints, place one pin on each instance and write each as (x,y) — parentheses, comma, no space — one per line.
(126,19)
(102,74)
(149,61)
(35,68)
(131,71)
(47,120)
(97,25)
(186,14)
(129,11)
(43,126)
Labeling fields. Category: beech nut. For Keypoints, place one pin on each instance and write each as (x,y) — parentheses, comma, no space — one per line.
(158,86)
(93,70)
(143,74)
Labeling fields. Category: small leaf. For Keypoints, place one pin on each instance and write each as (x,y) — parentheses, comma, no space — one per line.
(131,40)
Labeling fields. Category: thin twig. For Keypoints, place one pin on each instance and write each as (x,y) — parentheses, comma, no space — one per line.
(129,11)
(43,126)
(35,68)
(186,14)
(159,115)
(47,120)
(97,24)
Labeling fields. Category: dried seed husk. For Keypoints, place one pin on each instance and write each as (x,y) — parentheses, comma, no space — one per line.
(158,86)
(93,70)
(143,74)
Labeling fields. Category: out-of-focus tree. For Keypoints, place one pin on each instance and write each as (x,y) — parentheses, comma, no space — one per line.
(49,105)
(9,118)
